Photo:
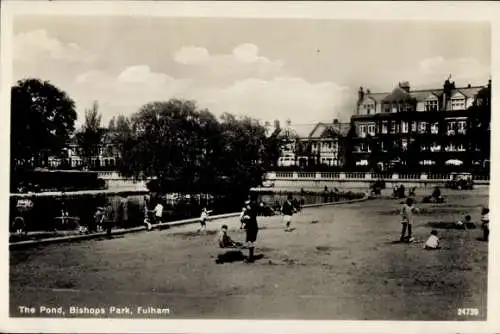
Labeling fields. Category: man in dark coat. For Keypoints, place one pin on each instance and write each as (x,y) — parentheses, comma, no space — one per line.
(251,226)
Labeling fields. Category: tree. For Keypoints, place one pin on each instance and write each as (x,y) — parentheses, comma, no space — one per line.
(189,150)
(90,136)
(42,120)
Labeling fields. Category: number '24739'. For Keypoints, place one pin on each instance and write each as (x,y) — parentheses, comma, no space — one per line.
(468,312)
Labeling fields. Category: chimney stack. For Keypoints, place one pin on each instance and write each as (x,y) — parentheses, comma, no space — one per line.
(277,124)
(361,95)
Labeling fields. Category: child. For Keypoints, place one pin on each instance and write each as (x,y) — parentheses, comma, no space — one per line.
(242,217)
(158,212)
(224,239)
(407,212)
(433,241)
(203,219)
(287,211)
(485,219)
(99,218)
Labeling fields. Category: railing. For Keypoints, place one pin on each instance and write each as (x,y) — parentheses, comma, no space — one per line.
(364,176)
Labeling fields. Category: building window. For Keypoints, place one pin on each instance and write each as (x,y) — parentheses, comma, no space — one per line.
(413,126)
(382,147)
(422,127)
(362,131)
(424,148)
(435,147)
(371,129)
(435,128)
(364,147)
(387,107)
(404,127)
(450,148)
(370,108)
(458,104)
(384,127)
(450,128)
(394,108)
(431,105)
(405,107)
(462,127)
(461,148)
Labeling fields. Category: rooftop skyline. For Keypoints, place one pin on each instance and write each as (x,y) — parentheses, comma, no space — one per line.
(298,69)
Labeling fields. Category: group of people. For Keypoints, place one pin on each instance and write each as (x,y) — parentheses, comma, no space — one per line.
(248,221)
(408,210)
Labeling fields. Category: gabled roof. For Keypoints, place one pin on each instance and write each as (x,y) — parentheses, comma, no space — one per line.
(456,93)
(318,130)
(420,95)
(470,92)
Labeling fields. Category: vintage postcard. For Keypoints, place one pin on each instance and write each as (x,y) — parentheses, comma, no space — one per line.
(249,166)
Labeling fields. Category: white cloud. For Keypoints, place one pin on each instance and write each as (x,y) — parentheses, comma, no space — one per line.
(462,70)
(37,44)
(191,55)
(280,98)
(243,62)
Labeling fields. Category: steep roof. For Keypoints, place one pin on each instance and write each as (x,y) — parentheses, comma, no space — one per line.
(399,94)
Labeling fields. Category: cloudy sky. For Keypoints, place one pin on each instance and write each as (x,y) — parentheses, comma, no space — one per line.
(305,70)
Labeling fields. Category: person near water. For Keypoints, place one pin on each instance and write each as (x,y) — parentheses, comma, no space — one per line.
(287,212)
(407,212)
(158,212)
(251,226)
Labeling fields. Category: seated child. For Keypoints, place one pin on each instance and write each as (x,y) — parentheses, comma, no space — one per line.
(485,219)
(225,240)
(433,241)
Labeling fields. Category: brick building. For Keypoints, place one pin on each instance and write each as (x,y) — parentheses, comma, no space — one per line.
(422,130)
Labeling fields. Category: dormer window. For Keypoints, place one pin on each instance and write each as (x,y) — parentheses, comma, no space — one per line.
(458,103)
(370,108)
(431,105)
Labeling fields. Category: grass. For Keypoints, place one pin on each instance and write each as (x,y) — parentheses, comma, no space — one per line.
(340,263)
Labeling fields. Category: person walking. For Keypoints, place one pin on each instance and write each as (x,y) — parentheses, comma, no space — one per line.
(287,211)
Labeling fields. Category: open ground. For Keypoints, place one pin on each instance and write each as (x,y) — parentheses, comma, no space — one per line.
(341,262)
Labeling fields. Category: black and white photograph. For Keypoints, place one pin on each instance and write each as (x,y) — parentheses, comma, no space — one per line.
(181,167)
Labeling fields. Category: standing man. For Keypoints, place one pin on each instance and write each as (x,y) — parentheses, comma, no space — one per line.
(287,211)
(251,226)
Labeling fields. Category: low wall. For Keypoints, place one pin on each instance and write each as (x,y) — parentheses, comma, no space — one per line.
(353,184)
(314,180)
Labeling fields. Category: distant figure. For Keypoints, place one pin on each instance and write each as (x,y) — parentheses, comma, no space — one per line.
(242,215)
(287,211)
(411,192)
(99,218)
(433,241)
(466,223)
(436,194)
(407,212)
(485,219)
(19,225)
(203,219)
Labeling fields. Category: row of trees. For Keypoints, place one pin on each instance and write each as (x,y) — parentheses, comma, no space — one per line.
(184,147)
